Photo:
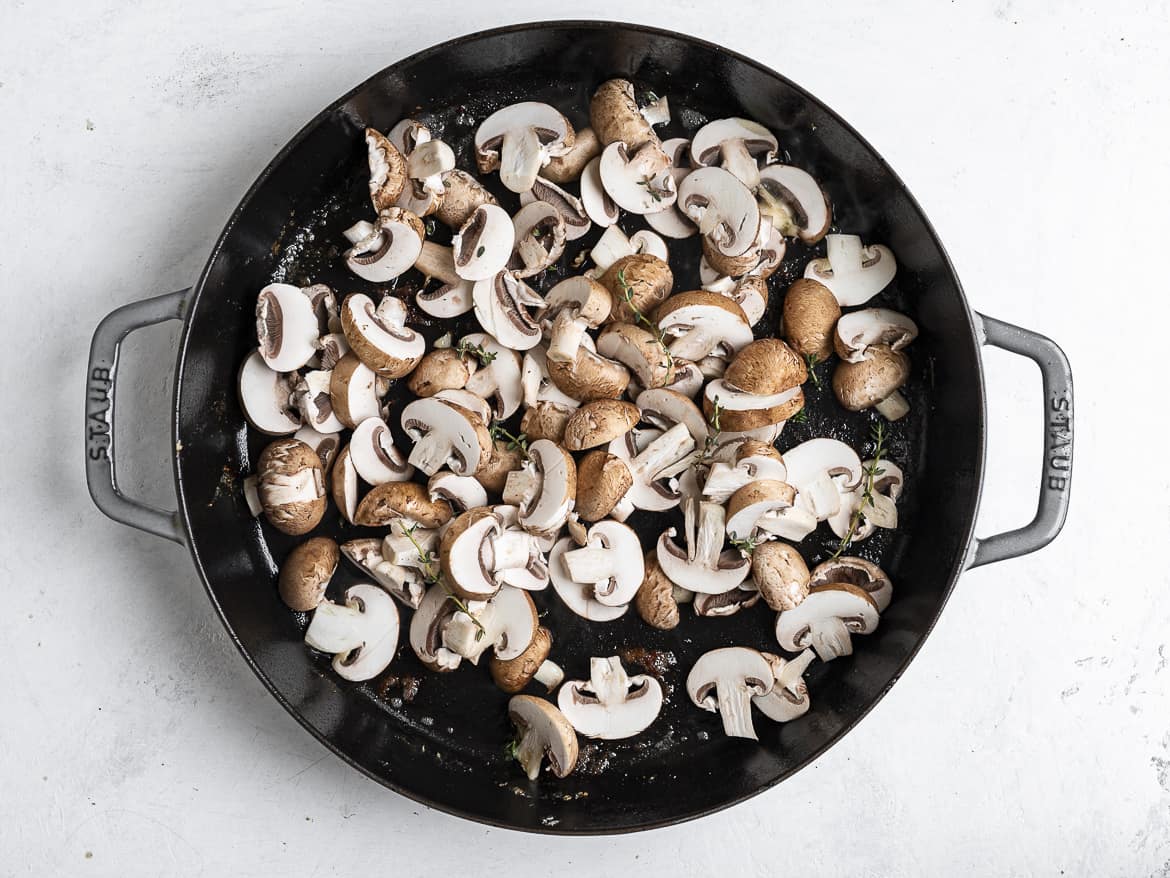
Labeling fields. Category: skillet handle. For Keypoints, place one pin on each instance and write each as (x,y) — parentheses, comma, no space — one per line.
(101,381)
(1056,468)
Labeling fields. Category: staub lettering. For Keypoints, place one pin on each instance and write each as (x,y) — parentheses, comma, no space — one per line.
(1059,443)
(97,422)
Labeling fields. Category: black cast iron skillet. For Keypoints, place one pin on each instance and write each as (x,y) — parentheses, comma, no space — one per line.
(445,747)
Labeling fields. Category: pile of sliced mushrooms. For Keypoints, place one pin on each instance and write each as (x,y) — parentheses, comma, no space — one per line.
(620,390)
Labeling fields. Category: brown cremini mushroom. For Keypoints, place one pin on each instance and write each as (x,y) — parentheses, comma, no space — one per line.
(641,282)
(874,382)
(406,500)
(441,369)
(513,675)
(602,480)
(780,574)
(655,601)
(599,422)
(291,486)
(810,315)
(306,573)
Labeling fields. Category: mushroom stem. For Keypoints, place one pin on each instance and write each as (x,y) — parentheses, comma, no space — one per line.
(567,331)
(510,550)
(464,637)
(430,453)
(830,638)
(334,628)
(740,162)
(623,510)
(590,564)
(359,231)
(609,680)
(893,407)
(681,595)
(735,709)
(793,671)
(521,487)
(823,497)
(663,451)
(530,753)
(403,550)
(549,674)
(709,540)
(437,261)
(520,158)
(252,495)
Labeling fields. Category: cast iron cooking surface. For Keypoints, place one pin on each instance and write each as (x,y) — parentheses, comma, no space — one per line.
(441,738)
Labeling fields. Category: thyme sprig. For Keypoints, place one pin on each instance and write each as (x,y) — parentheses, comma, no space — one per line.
(515,443)
(812,360)
(659,335)
(712,440)
(433,576)
(800,417)
(746,545)
(467,349)
(869,476)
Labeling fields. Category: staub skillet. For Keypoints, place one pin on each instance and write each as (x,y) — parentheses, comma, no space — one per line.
(445,747)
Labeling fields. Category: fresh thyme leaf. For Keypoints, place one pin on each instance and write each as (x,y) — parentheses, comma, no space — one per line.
(746,545)
(800,417)
(430,227)
(466,349)
(479,251)
(515,443)
(713,432)
(812,360)
(869,475)
(512,748)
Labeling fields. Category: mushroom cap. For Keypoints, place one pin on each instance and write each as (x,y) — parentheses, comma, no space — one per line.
(379,336)
(859,386)
(518,139)
(470,441)
(557,471)
(387,170)
(434,612)
(286,326)
(853,605)
(722,207)
(766,366)
(441,369)
(578,597)
(471,403)
(614,116)
(729,571)
(780,574)
(502,305)
(751,502)
(539,238)
(343,485)
(377,461)
(655,601)
(498,381)
(602,480)
(815,460)
(393,245)
(264,397)
(325,444)
(810,314)
(751,294)
(546,420)
(733,668)
(854,273)
(484,243)
(722,321)
(735,266)
(512,675)
(710,141)
(584,297)
(291,486)
(728,603)
(672,222)
(598,422)
(404,583)
(789,696)
(639,350)
(407,500)
(538,717)
(619,542)
(599,207)
(610,705)
(647,280)
(306,572)
(464,194)
(859,330)
(741,411)
(794,202)
(568,167)
(572,211)
(462,492)
(493,474)
(858,572)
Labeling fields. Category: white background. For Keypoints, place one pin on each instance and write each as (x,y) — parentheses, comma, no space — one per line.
(1032,734)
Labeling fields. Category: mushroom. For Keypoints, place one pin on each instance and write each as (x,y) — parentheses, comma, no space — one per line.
(637,182)
(568,166)
(504,457)
(610,561)
(265,396)
(546,420)
(306,572)
(728,603)
(392,247)
(858,331)
(343,485)
(464,195)
(542,731)
(573,306)
(377,461)
(506,624)
(539,238)
(519,140)
(387,170)
(794,202)
(810,314)
(664,408)
(379,336)
(331,347)
(780,574)
(753,460)
(725,681)
(484,243)
(497,380)
(325,444)
(434,614)
(672,222)
(462,492)
(657,599)
(874,382)
(602,480)
(826,620)
(362,633)
(853,272)
(353,391)
(637,284)
(788,699)
(468,401)
(652,467)
(401,500)
(403,583)
(598,422)
(426,164)
(441,369)
(590,377)
(753,502)
(764,367)
(610,705)
(437,262)
(857,572)
(614,116)
(703,566)
(821,470)
(751,294)
(286,326)
(412,546)
(657,112)
(699,323)
(722,207)
(640,351)
(544,488)
(740,410)
(880,510)
(478,550)
(599,207)
(749,260)
(291,486)
(449,300)
(503,304)
(580,597)
(445,435)
(324,303)
(514,674)
(737,144)
(538,386)
(572,211)
(713,281)
(687,381)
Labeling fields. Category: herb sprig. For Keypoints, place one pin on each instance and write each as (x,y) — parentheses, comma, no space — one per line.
(812,360)
(433,576)
(712,441)
(869,476)
(515,443)
(467,349)
(745,545)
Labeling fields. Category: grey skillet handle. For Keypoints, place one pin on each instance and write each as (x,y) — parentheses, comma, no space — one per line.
(1056,468)
(101,381)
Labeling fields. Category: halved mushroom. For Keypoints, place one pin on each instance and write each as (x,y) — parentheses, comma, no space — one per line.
(811,313)
(538,386)
(881,510)
(468,401)
(479,549)
(780,574)
(594,199)
(374,456)
(324,303)
(546,420)
(573,306)
(543,731)
(387,170)
(286,326)
(580,597)
(544,488)
(739,410)
(738,144)
(653,467)
(858,572)
(672,222)
(765,366)
(506,624)
(826,620)
(748,261)
(853,272)
(598,422)
(610,562)
(858,331)
(714,281)
(445,435)
(408,501)
(751,294)
(265,397)
(789,696)
(725,681)
(484,243)
(291,486)
(362,633)
(571,210)
(353,391)
(717,606)
(602,480)
(638,182)
(610,705)
(568,167)
(504,307)
(821,470)
(306,572)
(539,238)
(390,249)
(449,300)
(664,408)
(503,459)
(403,583)
(465,195)
(703,566)
(657,599)
(435,261)
(753,502)
(311,396)
(428,162)
(794,202)
(462,492)
(753,460)
(639,350)
(874,382)
(519,140)
(637,284)
(514,674)
(497,381)
(434,614)
(379,336)
(343,485)
(722,207)
(441,369)
(699,323)
(614,116)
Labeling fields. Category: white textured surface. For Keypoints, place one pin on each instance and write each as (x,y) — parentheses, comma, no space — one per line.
(1030,736)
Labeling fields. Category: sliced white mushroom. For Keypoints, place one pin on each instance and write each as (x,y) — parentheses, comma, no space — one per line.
(664,408)
(519,140)
(462,492)
(404,583)
(286,326)
(610,562)
(544,488)
(312,399)
(390,249)
(542,731)
(449,300)
(434,614)
(633,183)
(700,323)
(610,705)
(379,335)
(577,596)
(508,309)
(594,199)
(539,238)
(573,306)
(794,202)
(751,409)
(826,621)
(880,511)
(751,294)
(427,163)
(752,461)
(738,144)
(498,381)
(854,273)
(639,350)
(484,243)
(538,387)
(407,134)
(505,625)
(821,470)
(723,208)
(857,330)
(266,397)
(374,456)
(703,566)
(573,213)
(610,247)
(325,444)
(480,551)
(362,633)
(468,401)
(672,222)
(753,502)
(445,435)
(343,486)
(789,696)
(654,465)
(354,390)
(725,681)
